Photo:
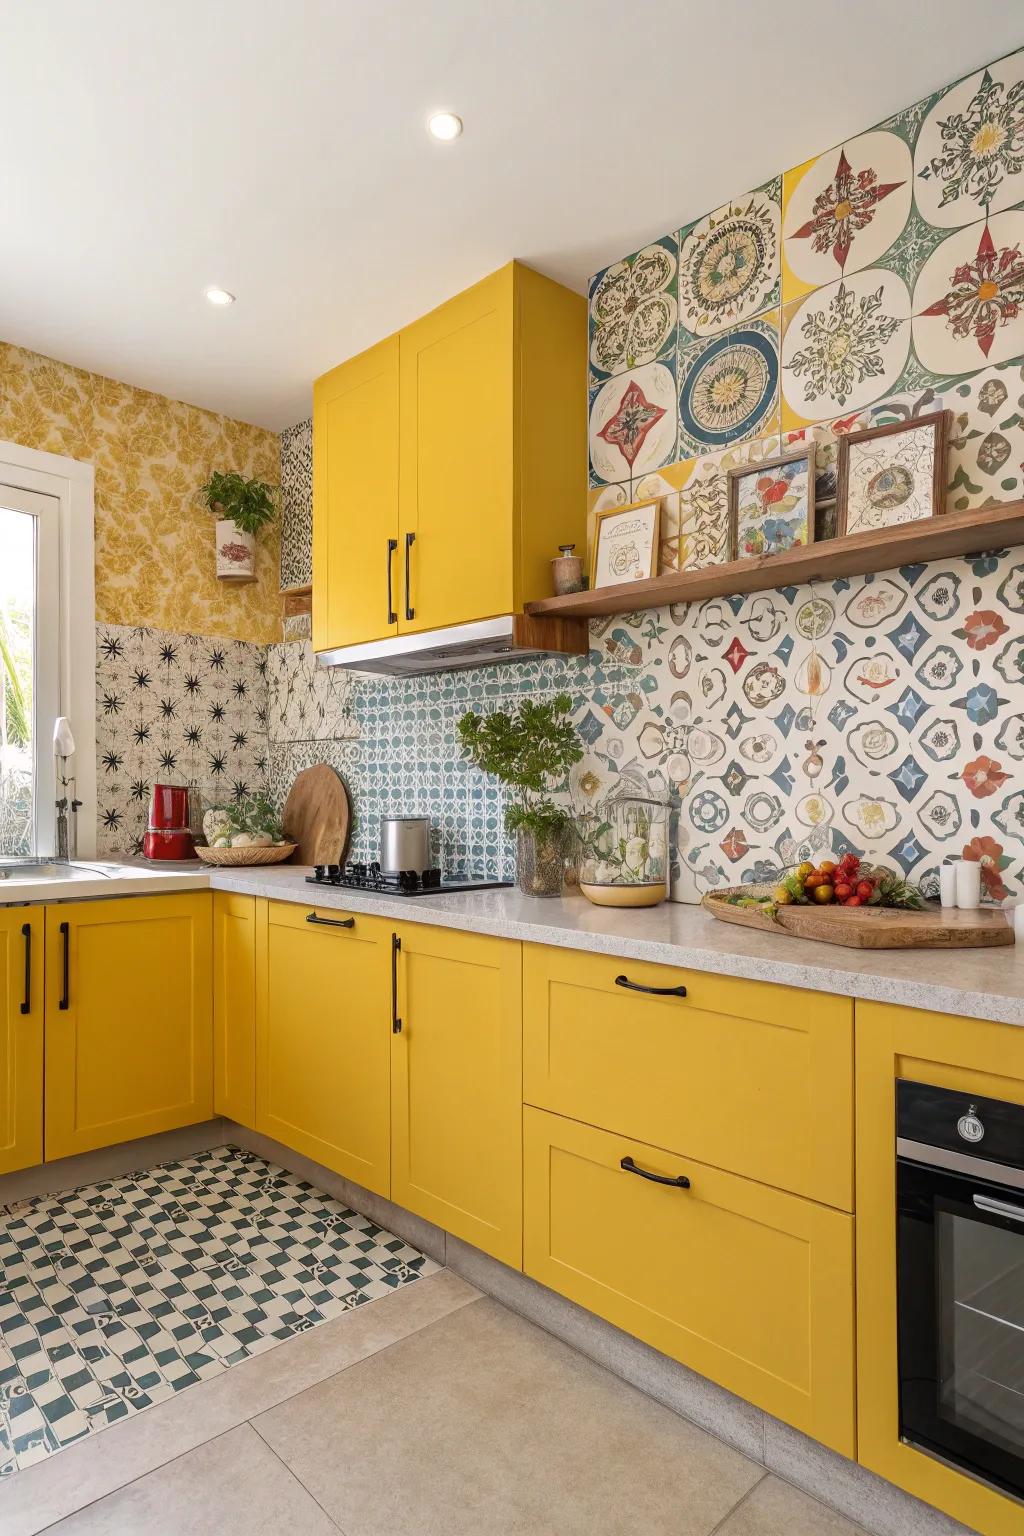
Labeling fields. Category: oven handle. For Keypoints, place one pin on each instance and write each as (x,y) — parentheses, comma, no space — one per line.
(980,1168)
(999,1207)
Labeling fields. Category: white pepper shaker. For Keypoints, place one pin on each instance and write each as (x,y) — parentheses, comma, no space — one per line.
(968,883)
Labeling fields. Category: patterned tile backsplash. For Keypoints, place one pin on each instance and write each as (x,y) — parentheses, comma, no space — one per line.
(174,709)
(875,282)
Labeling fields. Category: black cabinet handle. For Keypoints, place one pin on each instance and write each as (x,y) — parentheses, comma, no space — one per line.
(410,612)
(628,1166)
(330,922)
(396,1023)
(65,999)
(26,930)
(392,615)
(634,986)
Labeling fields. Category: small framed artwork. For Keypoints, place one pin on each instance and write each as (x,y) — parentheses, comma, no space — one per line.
(626,543)
(771,505)
(893,474)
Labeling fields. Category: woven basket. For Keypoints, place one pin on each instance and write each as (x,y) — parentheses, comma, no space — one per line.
(238,857)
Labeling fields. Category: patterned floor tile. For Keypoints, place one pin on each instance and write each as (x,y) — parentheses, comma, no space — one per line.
(119,1295)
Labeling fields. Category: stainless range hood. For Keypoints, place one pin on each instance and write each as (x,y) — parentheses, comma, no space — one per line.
(513,637)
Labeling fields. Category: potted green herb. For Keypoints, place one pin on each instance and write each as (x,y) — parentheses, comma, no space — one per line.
(530,750)
(242,507)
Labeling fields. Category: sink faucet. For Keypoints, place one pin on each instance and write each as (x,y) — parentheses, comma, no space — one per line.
(67,804)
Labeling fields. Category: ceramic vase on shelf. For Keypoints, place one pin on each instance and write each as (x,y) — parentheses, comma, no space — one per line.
(236,552)
(624,862)
(540,861)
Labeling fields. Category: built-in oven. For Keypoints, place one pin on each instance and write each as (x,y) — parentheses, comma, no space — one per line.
(960,1278)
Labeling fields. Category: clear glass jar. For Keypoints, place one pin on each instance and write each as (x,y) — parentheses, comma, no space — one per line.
(540,862)
(624,852)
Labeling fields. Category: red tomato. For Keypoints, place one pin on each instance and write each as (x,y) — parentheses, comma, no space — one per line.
(865,889)
(853,901)
(843,890)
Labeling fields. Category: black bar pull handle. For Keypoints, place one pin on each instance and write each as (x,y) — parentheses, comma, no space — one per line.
(65,998)
(396,1023)
(410,612)
(628,1166)
(26,932)
(634,986)
(392,615)
(330,922)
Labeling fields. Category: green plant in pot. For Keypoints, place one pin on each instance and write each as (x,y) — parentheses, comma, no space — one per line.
(531,750)
(242,507)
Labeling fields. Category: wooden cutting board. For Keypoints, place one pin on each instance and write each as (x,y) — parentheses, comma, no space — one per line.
(317,816)
(876,927)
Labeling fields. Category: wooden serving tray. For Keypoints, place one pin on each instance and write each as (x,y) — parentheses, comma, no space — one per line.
(870,927)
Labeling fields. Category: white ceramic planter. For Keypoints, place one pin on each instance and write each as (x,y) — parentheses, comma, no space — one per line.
(236,552)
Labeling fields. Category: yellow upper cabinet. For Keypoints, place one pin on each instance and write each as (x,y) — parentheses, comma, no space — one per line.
(355,494)
(129,1036)
(451,460)
(21,1037)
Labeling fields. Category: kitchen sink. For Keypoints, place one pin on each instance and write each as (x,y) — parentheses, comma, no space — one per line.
(53,869)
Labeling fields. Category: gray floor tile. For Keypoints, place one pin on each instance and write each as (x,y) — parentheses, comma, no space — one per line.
(774,1508)
(482,1423)
(234,1486)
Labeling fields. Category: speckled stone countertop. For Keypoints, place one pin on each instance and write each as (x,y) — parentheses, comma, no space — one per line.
(978,983)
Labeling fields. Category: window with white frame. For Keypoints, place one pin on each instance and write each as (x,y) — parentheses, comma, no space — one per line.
(46,644)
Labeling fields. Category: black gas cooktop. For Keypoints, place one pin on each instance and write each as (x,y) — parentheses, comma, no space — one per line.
(407,882)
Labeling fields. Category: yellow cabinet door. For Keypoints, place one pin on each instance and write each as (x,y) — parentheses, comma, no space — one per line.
(456,1081)
(746,1285)
(747,1075)
(457,460)
(356,568)
(21,1037)
(129,1033)
(236,921)
(322,1039)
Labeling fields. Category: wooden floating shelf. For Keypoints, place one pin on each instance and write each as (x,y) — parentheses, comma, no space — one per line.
(936,538)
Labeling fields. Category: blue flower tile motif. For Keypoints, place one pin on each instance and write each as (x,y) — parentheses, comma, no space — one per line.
(908,851)
(908,708)
(908,778)
(840,713)
(909,637)
(981,702)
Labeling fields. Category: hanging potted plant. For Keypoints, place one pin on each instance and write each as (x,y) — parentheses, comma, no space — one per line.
(531,751)
(242,507)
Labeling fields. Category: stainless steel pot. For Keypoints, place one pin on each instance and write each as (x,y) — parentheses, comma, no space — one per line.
(404,844)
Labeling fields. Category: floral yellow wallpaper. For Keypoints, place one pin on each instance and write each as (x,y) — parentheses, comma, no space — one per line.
(154,541)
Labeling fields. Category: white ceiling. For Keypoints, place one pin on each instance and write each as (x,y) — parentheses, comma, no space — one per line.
(278,147)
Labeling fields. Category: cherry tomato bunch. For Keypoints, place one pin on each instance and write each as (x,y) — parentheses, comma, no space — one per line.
(842,883)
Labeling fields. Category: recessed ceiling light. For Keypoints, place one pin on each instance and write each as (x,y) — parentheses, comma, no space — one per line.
(219,295)
(445,125)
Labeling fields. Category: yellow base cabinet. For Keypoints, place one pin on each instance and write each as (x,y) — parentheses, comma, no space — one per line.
(322,1038)
(749,1286)
(456,1085)
(129,1036)
(750,1076)
(235,922)
(971,1055)
(22,935)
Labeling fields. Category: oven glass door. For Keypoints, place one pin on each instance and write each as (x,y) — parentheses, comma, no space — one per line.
(961,1321)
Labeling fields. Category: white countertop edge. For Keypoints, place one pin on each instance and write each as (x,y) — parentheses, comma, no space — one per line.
(865,974)
(981,983)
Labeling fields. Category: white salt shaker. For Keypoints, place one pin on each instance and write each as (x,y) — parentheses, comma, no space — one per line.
(968,883)
(947,883)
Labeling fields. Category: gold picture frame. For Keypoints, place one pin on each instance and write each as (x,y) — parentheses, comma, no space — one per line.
(626,543)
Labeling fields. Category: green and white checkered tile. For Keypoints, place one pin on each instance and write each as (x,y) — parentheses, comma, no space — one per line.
(121,1294)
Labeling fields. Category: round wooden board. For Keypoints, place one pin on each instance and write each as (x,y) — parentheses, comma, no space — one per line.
(317,816)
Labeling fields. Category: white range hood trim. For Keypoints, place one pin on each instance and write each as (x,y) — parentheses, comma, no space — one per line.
(487,642)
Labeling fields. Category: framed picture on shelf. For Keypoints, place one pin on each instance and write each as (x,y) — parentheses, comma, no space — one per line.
(771,505)
(893,474)
(626,543)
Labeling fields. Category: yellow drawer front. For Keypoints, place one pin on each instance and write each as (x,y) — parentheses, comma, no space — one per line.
(746,1285)
(746,1075)
(323,1039)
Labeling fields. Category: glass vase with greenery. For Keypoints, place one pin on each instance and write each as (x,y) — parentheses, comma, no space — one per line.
(530,750)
